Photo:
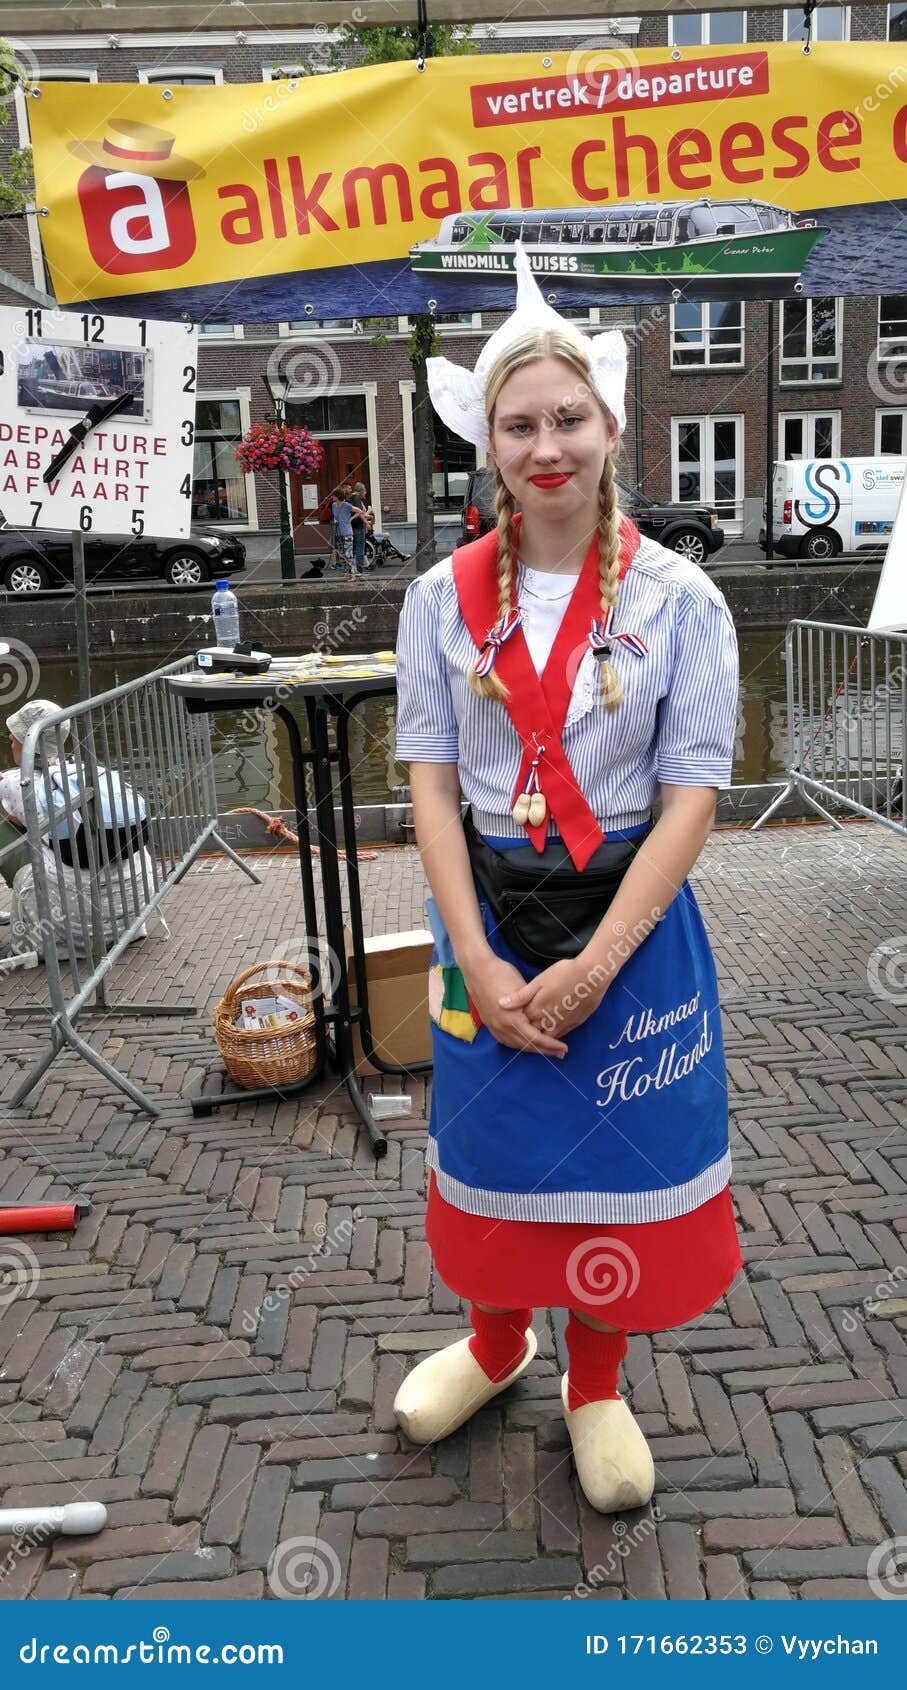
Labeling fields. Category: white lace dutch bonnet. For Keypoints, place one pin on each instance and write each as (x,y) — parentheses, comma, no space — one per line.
(458,395)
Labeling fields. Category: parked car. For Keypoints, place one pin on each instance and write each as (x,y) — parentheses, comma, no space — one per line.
(32,559)
(823,506)
(691,530)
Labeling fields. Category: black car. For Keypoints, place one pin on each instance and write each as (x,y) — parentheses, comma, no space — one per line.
(691,530)
(32,559)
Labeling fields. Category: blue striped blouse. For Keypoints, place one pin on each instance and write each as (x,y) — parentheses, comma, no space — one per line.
(676,725)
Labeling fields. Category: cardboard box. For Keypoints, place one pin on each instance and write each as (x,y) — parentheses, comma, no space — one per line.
(396,966)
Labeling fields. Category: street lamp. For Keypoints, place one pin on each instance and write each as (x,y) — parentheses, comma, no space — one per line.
(278,388)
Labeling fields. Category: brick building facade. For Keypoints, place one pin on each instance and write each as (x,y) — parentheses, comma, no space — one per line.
(697,407)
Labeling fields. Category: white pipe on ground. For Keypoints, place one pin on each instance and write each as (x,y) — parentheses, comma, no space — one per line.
(72,1519)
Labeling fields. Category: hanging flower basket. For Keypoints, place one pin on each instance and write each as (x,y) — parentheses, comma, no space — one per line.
(272,445)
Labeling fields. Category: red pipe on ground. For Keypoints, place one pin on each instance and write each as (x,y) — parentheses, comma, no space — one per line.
(40,1217)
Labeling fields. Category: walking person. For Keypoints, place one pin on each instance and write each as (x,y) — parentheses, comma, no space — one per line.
(343,527)
(360,506)
(563,673)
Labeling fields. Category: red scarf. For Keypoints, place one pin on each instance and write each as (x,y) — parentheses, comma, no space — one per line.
(537,705)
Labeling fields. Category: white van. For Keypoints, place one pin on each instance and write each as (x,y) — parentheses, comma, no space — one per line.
(822,506)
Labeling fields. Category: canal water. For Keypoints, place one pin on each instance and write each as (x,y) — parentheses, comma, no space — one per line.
(252,763)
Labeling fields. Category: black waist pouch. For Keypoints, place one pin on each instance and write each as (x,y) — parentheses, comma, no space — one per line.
(543,907)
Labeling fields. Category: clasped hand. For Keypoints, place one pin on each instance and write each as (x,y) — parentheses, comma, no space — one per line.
(536,1015)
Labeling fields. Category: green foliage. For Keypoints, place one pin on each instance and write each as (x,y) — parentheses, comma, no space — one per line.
(16,182)
(423,341)
(390,45)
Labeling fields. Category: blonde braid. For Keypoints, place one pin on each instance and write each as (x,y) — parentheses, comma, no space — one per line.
(491,685)
(608,566)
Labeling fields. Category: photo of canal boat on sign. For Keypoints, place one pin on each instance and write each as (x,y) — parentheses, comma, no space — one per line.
(742,243)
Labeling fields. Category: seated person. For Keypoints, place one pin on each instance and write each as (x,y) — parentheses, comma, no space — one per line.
(125,870)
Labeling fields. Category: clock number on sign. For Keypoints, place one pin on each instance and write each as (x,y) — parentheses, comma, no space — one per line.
(92,328)
(189,373)
(37,506)
(186,487)
(188,434)
(138,522)
(143,339)
(85,518)
(34,320)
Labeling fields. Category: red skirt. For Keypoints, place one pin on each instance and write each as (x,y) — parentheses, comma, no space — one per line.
(643,1278)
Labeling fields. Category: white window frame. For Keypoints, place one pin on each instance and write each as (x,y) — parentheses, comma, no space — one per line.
(808,417)
(890,411)
(236,331)
(891,347)
(705,29)
(809,380)
(707,366)
(53,73)
(244,395)
(733,526)
(156,75)
(793,24)
(314,327)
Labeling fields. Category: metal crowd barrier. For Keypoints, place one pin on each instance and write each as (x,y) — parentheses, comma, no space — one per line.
(846,721)
(119,799)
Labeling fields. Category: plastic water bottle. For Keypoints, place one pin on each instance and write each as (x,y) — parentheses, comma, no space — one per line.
(225,610)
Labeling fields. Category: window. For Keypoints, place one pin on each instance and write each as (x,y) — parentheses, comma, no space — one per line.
(219,492)
(809,434)
(897,23)
(892,326)
(830,23)
(454,461)
(891,433)
(184,76)
(704,29)
(707,465)
(228,331)
(810,341)
(334,413)
(707,336)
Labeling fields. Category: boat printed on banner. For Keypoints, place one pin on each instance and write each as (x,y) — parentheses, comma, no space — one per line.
(673,241)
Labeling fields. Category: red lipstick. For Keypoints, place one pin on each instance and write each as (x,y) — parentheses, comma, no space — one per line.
(549,480)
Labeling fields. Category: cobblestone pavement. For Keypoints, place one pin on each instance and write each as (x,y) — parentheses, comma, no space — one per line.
(215,1351)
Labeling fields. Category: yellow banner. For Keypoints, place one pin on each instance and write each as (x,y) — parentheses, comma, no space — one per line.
(368,191)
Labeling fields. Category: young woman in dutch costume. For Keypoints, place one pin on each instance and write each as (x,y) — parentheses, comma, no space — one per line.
(561,672)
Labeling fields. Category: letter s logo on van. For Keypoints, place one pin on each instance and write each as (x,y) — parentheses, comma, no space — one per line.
(869,480)
(820,478)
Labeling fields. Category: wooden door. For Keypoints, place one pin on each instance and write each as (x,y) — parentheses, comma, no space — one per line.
(344,460)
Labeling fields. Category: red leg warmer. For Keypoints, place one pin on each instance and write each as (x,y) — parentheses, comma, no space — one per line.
(595,1358)
(499,1340)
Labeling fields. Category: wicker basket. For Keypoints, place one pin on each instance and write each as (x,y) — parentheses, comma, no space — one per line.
(275,1056)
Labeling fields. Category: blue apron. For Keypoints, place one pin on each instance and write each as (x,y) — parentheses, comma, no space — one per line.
(631,1126)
